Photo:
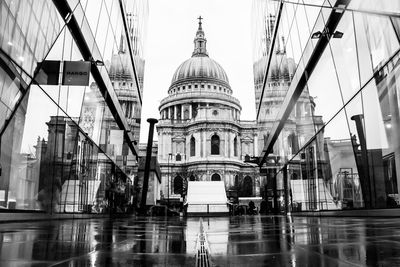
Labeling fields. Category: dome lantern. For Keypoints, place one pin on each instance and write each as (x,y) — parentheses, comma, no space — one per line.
(200,42)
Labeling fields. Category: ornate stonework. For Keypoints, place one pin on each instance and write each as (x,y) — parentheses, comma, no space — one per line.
(200,121)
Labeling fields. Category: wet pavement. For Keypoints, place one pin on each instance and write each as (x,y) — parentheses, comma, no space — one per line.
(235,241)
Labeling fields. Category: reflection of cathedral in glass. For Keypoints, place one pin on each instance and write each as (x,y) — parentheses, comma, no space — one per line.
(349,158)
(302,122)
(282,68)
(64,148)
(124,78)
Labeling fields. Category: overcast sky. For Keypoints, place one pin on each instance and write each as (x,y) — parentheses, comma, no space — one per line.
(171,29)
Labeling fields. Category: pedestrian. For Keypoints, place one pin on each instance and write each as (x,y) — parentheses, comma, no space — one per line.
(252,208)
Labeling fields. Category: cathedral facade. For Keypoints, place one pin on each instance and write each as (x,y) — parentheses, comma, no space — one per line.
(200,134)
(202,138)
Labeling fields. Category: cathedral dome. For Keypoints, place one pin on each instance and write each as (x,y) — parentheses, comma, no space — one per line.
(200,67)
(200,89)
(119,67)
(282,68)
(121,64)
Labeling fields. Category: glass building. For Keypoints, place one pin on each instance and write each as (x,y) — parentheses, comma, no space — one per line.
(327,81)
(70,148)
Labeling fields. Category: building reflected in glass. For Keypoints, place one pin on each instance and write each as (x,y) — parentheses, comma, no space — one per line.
(334,127)
(70,148)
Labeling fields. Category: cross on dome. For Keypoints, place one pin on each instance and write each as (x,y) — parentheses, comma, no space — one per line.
(200,41)
(200,23)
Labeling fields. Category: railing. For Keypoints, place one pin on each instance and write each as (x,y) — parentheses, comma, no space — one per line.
(275,93)
(208,208)
(178,96)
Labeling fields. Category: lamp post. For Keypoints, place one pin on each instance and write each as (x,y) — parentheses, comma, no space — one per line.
(151,121)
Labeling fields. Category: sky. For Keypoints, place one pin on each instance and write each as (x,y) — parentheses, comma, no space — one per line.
(171,30)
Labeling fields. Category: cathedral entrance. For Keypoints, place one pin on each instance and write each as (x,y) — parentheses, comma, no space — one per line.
(215,177)
(178,185)
(247,187)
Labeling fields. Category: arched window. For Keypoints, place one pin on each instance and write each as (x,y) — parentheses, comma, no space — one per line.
(215,145)
(235,147)
(215,177)
(236,181)
(247,187)
(192,178)
(178,185)
(192,147)
(178,157)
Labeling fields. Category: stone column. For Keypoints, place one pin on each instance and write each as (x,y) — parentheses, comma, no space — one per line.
(197,143)
(175,112)
(160,149)
(256,153)
(163,146)
(232,148)
(226,143)
(170,144)
(201,143)
(190,112)
(205,144)
(187,146)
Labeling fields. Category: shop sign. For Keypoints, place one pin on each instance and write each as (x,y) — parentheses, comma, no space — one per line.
(76,73)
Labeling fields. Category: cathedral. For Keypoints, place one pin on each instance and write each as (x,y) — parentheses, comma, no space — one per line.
(201,136)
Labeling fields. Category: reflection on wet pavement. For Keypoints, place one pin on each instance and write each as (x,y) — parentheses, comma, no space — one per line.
(232,241)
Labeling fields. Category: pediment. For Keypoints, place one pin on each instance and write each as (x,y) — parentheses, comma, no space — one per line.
(179,139)
(247,139)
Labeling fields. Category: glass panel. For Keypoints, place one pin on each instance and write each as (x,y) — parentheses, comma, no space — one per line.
(69,98)
(377,6)
(92,13)
(323,87)
(381,119)
(324,176)
(50,164)
(30,146)
(62,150)
(263,27)
(344,54)
(20,32)
(100,29)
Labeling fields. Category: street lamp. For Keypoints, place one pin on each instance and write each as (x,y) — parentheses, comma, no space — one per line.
(325,33)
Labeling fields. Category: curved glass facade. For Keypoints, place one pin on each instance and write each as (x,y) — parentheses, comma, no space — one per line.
(345,82)
(70,148)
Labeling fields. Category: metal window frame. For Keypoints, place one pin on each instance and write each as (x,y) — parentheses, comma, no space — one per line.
(128,40)
(297,87)
(107,92)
